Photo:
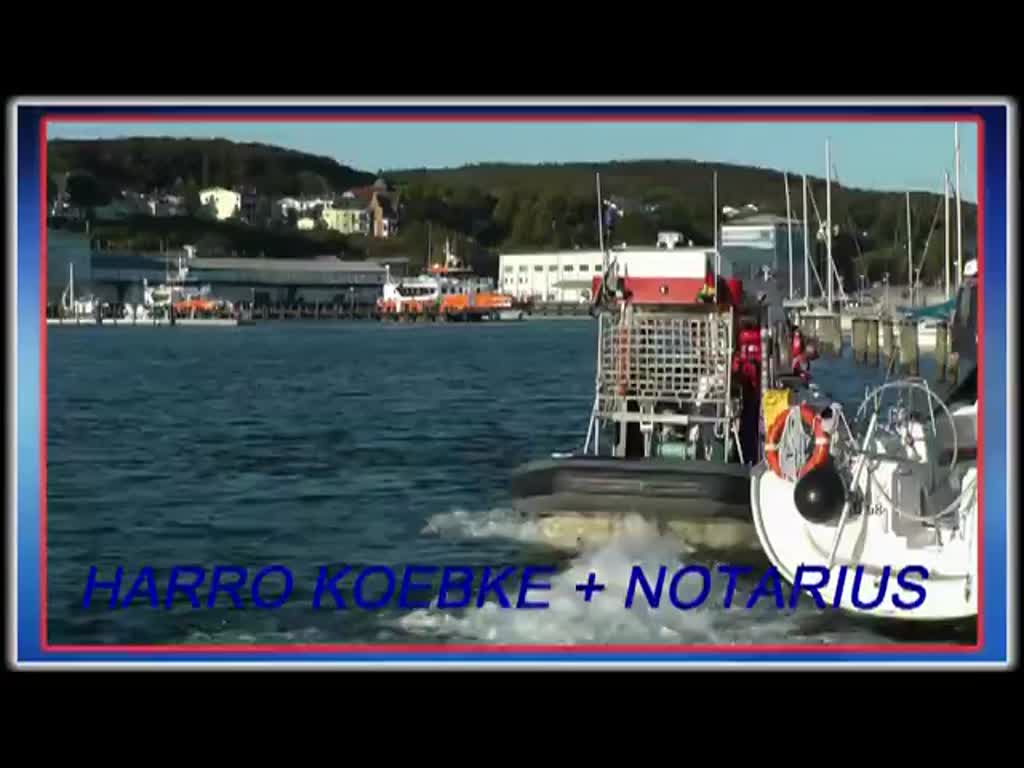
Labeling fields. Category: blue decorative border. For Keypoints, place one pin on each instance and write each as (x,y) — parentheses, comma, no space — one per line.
(29,216)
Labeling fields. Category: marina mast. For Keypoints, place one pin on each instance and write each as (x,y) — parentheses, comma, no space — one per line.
(789,227)
(945,231)
(910,257)
(959,220)
(828,215)
(807,253)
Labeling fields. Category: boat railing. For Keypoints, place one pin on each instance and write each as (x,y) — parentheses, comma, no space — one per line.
(674,357)
(665,367)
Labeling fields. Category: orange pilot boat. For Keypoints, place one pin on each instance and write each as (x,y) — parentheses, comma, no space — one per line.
(448,291)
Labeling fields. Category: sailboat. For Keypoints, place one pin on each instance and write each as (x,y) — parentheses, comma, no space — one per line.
(884,523)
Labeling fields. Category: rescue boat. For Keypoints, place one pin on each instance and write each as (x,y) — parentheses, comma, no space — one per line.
(683,355)
(449,291)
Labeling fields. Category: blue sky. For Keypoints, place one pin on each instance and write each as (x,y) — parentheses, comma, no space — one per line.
(890,156)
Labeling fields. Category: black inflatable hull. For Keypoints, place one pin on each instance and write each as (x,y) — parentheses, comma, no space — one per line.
(705,504)
(669,488)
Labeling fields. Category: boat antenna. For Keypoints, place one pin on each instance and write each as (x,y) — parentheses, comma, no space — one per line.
(600,222)
(715,203)
(718,256)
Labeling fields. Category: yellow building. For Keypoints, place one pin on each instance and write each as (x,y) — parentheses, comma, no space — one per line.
(349,219)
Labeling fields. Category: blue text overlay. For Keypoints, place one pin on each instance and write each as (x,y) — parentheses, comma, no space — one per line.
(378,587)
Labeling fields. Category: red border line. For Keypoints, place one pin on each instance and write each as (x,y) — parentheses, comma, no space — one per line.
(456,649)
(539,117)
(439,649)
(43,424)
(980,247)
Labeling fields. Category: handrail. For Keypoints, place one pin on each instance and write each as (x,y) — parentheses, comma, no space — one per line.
(862,461)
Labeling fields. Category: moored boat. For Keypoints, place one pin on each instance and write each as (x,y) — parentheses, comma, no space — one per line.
(883,523)
(448,291)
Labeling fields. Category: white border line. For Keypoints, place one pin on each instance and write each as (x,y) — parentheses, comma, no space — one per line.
(12,383)
(443,101)
(1012,391)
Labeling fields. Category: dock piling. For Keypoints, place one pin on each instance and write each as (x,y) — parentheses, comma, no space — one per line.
(860,339)
(941,350)
(872,334)
(909,350)
(889,343)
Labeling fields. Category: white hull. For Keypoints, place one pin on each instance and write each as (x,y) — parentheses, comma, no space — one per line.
(881,538)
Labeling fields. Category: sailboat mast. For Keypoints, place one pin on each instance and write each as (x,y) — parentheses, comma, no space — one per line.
(714,202)
(71,288)
(910,256)
(959,219)
(945,230)
(828,216)
(718,257)
(600,222)
(789,228)
(807,253)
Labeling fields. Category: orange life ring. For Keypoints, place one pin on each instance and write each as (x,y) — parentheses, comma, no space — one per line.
(822,441)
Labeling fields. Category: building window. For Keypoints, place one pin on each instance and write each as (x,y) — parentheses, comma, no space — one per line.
(567,268)
(553,268)
(509,269)
(538,268)
(522,267)
(584,267)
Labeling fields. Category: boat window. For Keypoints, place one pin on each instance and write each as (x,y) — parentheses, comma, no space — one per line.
(539,268)
(522,267)
(584,267)
(509,269)
(553,268)
(567,268)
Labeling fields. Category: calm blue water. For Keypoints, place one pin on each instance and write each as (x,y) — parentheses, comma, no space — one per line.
(326,444)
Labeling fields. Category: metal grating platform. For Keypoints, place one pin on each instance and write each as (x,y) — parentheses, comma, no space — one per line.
(682,357)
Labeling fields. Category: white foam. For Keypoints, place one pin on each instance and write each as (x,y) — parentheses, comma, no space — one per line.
(569,619)
(498,523)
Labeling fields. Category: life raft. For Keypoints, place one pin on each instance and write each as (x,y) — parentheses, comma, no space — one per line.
(822,441)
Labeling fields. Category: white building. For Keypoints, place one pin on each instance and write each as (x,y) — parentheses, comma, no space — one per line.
(750,244)
(304,205)
(568,276)
(222,203)
(558,276)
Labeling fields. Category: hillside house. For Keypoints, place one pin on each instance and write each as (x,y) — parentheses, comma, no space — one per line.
(220,202)
(381,205)
(348,216)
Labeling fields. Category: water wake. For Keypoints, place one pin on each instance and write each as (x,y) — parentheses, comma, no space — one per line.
(570,620)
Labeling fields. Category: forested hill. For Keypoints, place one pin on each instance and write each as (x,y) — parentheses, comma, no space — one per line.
(484,209)
(147,164)
(554,205)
